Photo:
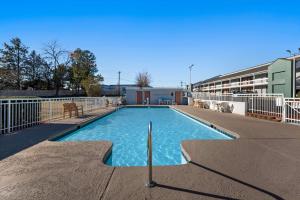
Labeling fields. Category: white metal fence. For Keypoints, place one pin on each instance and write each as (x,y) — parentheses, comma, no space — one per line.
(16,114)
(264,104)
(291,110)
(275,105)
(214,97)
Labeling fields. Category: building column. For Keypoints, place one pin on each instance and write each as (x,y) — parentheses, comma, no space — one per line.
(215,87)
(253,88)
(221,87)
(240,84)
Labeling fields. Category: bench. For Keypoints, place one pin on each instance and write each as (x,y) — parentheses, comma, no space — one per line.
(266,117)
(200,104)
(70,107)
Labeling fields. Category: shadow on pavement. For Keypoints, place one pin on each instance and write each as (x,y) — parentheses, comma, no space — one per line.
(14,142)
(275,196)
(194,192)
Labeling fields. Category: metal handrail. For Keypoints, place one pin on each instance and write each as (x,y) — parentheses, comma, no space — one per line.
(150,182)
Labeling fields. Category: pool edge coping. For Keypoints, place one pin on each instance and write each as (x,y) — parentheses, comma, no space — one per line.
(224,131)
(186,155)
(61,134)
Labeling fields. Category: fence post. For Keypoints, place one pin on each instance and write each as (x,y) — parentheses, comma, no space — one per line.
(86,108)
(283,111)
(9,116)
(50,109)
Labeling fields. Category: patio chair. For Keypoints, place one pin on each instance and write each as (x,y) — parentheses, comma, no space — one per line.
(199,104)
(214,106)
(224,107)
(205,105)
(70,107)
(196,103)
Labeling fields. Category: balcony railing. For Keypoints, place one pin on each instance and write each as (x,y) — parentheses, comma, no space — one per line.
(260,81)
(218,86)
(235,84)
(248,83)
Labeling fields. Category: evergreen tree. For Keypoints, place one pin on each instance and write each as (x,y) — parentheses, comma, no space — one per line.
(91,85)
(34,70)
(83,67)
(13,58)
(6,79)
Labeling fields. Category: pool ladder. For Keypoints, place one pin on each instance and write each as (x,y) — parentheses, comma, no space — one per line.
(150,183)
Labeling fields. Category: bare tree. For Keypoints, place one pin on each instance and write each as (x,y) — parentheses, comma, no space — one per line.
(143,79)
(47,75)
(56,57)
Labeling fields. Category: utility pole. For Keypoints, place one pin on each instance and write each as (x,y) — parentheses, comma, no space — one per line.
(183,84)
(119,87)
(190,67)
(294,73)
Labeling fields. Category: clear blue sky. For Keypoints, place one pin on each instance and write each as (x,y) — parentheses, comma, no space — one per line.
(162,37)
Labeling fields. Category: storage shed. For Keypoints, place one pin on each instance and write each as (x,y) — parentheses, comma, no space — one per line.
(154,96)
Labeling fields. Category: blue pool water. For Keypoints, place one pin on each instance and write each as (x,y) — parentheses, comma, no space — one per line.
(128,128)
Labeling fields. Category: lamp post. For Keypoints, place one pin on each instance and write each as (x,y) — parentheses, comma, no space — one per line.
(190,67)
(294,72)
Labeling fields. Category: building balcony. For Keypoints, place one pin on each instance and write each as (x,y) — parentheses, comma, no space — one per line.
(235,84)
(218,86)
(226,85)
(248,83)
(260,81)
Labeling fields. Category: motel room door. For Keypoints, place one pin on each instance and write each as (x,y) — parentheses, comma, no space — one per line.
(139,97)
(178,97)
(147,95)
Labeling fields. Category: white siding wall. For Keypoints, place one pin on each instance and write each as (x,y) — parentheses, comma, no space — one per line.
(131,96)
(155,94)
(161,93)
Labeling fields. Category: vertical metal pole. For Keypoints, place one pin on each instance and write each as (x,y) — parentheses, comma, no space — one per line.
(8,116)
(190,79)
(86,108)
(283,110)
(294,76)
(190,67)
(150,182)
(50,109)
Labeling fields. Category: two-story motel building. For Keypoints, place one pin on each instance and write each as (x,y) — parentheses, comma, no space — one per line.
(272,77)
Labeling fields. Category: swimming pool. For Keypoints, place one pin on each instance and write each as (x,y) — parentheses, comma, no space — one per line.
(127,128)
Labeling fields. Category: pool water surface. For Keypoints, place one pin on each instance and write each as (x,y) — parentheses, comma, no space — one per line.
(127,129)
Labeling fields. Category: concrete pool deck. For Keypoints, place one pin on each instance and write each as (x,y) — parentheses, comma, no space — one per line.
(263,163)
